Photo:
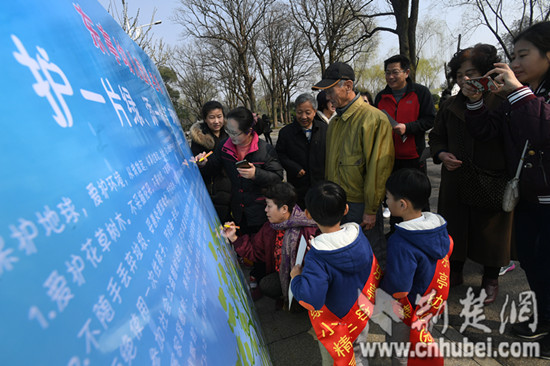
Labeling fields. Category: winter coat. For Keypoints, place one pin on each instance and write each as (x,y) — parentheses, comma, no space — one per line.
(335,268)
(413,251)
(260,247)
(360,153)
(468,226)
(247,195)
(296,153)
(217,183)
(416,110)
(524,116)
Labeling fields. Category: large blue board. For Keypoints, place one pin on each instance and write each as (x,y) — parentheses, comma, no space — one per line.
(109,247)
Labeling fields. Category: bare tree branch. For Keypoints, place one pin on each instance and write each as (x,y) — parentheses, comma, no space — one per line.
(504,18)
(142,35)
(235,23)
(334,29)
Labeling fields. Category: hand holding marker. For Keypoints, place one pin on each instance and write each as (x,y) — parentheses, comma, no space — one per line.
(205,156)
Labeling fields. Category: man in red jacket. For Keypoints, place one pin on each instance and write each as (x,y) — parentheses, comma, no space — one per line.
(410,109)
(411,106)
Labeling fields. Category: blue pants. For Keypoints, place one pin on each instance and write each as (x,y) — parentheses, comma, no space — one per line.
(532,225)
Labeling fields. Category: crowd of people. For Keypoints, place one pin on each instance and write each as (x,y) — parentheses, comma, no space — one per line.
(346,156)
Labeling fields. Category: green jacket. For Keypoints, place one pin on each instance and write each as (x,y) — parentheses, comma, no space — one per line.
(360,154)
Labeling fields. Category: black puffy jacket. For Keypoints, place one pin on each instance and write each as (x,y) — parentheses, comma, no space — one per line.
(247,195)
(217,182)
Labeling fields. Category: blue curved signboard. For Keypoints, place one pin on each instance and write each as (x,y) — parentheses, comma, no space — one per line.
(110,251)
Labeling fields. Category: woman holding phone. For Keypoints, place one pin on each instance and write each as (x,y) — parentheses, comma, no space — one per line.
(251,165)
(525,118)
(481,231)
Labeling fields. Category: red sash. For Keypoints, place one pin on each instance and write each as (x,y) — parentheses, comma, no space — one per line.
(338,334)
(431,304)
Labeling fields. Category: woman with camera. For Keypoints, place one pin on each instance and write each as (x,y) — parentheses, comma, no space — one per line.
(524,120)
(468,197)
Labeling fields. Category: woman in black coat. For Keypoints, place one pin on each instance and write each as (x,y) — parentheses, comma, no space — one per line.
(248,181)
(205,136)
(470,222)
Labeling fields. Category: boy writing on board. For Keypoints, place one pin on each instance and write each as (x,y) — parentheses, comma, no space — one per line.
(277,241)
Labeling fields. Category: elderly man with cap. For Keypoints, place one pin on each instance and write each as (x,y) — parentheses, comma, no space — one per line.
(360,152)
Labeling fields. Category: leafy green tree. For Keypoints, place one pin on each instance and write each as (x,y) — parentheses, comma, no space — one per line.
(371,78)
(428,72)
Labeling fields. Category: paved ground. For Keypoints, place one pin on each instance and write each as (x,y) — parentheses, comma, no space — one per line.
(291,342)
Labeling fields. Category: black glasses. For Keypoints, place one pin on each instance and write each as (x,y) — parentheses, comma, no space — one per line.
(393,72)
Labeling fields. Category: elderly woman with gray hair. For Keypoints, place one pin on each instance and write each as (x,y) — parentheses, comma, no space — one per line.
(301,147)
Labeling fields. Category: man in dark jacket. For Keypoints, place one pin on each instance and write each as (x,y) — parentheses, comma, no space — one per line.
(411,106)
(258,124)
(301,147)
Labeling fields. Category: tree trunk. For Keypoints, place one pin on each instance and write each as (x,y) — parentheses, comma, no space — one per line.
(250,97)
(413,20)
(406,30)
(273,112)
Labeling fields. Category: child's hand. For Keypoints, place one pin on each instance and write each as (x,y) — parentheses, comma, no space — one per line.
(297,270)
(397,308)
(229,230)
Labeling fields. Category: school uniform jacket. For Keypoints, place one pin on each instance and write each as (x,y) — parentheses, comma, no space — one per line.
(333,275)
(413,252)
